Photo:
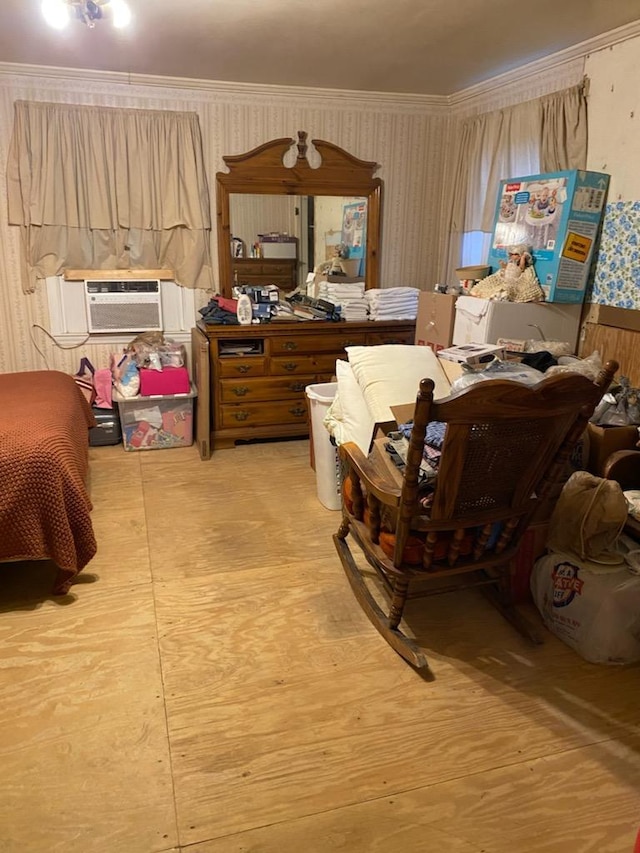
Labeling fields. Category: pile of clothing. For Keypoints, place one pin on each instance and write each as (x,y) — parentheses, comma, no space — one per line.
(348,295)
(392,303)
(220,311)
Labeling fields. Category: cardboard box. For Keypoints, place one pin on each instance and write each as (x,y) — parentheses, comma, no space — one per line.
(608,315)
(381,458)
(435,321)
(472,354)
(452,369)
(604,440)
(559,215)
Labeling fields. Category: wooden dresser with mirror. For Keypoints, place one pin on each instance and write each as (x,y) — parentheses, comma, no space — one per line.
(256,375)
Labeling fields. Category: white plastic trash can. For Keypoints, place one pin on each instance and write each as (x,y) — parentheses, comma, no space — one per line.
(325,453)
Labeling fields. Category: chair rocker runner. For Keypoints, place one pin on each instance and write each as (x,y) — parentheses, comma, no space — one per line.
(504,457)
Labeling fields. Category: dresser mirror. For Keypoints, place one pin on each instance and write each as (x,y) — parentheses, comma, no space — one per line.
(317,213)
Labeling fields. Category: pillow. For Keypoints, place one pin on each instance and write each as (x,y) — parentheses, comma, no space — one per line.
(349,418)
(390,374)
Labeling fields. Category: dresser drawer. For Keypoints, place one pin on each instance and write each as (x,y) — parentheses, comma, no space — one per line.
(248,390)
(391,337)
(253,280)
(248,366)
(291,365)
(263,414)
(263,266)
(278,268)
(329,342)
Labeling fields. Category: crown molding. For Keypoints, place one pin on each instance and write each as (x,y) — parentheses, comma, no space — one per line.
(232,90)
(546,63)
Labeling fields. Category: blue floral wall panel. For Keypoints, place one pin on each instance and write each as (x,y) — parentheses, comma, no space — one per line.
(617,273)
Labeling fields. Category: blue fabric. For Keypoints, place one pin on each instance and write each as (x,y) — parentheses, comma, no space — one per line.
(433,441)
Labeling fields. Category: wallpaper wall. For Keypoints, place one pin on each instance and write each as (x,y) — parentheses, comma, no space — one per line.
(408,135)
(614,147)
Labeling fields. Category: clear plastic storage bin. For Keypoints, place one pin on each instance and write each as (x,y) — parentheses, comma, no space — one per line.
(153,423)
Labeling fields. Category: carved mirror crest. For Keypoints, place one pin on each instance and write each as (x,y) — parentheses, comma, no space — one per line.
(341,180)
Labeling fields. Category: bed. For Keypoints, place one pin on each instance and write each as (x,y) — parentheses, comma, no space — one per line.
(44,502)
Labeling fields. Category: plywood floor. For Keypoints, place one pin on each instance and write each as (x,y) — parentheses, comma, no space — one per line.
(212,686)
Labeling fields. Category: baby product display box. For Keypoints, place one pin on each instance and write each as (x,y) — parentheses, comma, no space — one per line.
(559,216)
(151,423)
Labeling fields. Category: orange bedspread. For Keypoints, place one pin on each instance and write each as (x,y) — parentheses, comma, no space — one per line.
(44,503)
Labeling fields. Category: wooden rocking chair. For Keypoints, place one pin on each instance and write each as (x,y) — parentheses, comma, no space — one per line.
(506,450)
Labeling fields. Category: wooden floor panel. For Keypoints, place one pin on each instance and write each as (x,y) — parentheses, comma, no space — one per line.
(270,732)
(211,685)
(580,801)
(83,741)
(119,519)
(233,515)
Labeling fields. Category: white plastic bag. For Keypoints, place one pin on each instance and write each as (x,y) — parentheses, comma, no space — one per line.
(595,611)
(498,369)
(589,366)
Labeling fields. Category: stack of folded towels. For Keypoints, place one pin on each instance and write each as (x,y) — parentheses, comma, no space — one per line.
(393,303)
(348,295)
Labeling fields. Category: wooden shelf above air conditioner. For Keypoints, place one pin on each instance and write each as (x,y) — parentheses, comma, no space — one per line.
(118,275)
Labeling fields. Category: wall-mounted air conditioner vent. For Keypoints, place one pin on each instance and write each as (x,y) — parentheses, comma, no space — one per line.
(123,306)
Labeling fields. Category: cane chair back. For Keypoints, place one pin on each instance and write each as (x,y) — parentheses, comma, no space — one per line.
(506,448)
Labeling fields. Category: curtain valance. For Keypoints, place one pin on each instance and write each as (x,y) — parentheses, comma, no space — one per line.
(99,187)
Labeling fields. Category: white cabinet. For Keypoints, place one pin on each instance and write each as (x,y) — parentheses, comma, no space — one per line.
(483,321)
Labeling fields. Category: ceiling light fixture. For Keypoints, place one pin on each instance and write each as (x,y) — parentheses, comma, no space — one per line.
(58,13)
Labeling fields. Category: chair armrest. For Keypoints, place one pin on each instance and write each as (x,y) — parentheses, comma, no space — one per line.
(376,480)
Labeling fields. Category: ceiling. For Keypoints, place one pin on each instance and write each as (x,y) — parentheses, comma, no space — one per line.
(434,47)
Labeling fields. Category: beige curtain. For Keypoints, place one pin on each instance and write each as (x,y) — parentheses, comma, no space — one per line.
(548,134)
(95,187)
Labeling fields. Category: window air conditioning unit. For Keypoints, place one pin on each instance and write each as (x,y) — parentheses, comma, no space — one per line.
(123,306)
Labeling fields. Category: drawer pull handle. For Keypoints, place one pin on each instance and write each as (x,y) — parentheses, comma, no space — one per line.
(242,368)
(290,366)
(298,411)
(290,345)
(297,386)
(241,416)
(240,390)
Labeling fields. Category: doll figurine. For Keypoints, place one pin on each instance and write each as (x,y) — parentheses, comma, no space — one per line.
(518,259)
(515,281)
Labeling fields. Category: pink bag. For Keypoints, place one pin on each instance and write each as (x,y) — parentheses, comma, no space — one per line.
(102,380)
